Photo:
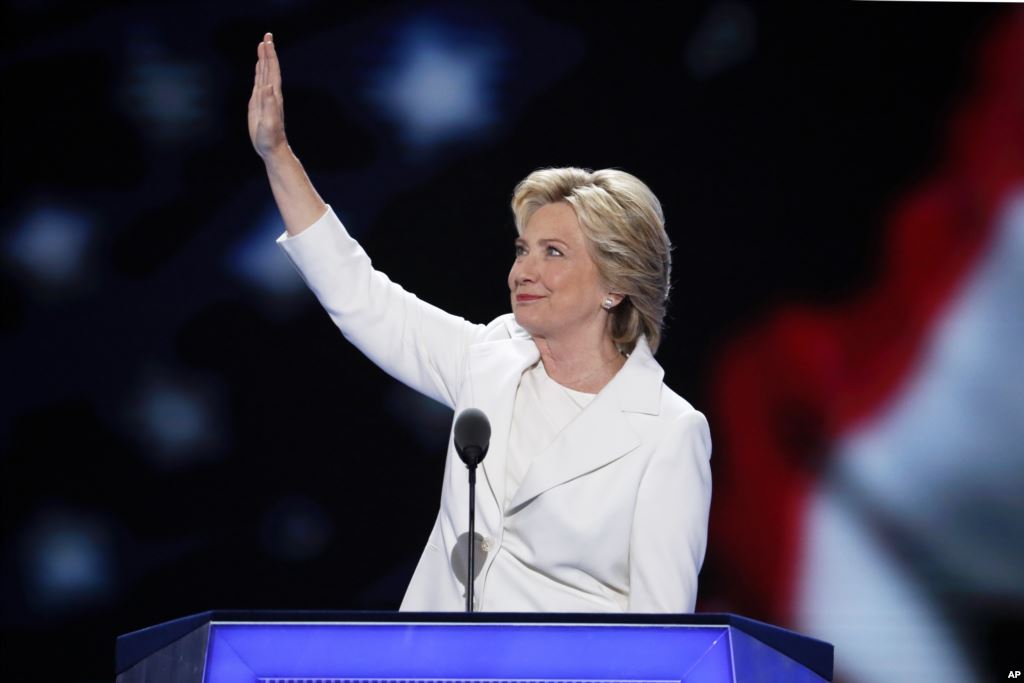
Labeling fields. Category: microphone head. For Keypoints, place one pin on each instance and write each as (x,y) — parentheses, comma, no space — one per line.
(472,436)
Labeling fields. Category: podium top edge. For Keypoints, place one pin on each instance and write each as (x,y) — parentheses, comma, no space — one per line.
(224,616)
(133,647)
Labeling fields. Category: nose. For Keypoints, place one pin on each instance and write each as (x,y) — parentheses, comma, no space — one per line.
(522,272)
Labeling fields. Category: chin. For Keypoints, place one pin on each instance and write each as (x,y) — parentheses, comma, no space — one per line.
(527,322)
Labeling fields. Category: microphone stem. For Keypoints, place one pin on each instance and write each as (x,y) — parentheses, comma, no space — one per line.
(472,538)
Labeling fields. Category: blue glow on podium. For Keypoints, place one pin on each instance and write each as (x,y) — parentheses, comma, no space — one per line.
(466,653)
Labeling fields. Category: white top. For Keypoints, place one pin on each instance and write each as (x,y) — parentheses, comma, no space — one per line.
(542,409)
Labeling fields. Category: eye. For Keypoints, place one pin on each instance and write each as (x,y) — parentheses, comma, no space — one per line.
(554,251)
(520,250)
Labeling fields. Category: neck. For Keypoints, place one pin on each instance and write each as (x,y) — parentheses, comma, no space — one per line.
(583,365)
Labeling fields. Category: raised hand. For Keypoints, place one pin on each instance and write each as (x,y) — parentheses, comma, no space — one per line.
(266,106)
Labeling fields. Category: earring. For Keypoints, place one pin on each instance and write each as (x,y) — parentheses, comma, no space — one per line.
(608,303)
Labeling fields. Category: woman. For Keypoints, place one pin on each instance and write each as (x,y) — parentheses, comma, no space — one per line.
(595,491)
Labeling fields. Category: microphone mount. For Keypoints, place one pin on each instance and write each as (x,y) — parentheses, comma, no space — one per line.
(472,439)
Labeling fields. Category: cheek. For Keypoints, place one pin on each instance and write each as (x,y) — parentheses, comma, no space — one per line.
(571,279)
(586,288)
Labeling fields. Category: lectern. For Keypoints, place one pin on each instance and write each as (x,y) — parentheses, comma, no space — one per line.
(403,647)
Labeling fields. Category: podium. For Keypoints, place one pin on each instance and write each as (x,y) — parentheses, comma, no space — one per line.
(406,647)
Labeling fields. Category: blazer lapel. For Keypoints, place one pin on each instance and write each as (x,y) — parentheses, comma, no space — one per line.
(597,436)
(496,368)
(601,433)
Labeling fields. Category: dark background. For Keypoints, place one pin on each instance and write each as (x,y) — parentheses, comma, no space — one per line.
(183,427)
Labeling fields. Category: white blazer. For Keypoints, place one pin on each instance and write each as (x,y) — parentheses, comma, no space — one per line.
(611,517)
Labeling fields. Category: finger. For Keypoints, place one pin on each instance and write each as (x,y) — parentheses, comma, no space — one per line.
(259,64)
(273,66)
(271,106)
(263,64)
(267,38)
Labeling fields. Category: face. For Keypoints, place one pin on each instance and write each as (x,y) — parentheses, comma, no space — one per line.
(555,286)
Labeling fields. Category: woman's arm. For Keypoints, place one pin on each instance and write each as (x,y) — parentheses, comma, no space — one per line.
(670,522)
(414,342)
(298,201)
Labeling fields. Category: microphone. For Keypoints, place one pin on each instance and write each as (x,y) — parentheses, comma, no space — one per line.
(472,438)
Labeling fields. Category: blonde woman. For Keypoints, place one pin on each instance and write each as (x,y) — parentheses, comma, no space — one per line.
(595,493)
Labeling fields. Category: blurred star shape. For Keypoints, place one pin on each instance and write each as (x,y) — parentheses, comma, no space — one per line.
(49,246)
(439,83)
(67,561)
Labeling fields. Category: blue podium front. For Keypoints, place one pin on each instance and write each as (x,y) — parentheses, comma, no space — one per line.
(346,647)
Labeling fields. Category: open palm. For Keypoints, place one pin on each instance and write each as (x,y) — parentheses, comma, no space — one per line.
(266,105)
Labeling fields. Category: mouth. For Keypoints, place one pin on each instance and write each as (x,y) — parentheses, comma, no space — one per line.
(527,298)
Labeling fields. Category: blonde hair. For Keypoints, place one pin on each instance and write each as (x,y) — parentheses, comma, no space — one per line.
(624,228)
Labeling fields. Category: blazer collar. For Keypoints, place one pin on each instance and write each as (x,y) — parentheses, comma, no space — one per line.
(637,385)
(598,435)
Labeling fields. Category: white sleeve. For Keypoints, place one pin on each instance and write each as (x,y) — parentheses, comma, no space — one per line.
(670,521)
(416,343)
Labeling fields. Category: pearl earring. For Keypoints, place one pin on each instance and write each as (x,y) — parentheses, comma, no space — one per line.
(608,303)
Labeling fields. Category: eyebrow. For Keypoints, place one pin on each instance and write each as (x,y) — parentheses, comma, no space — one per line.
(543,242)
